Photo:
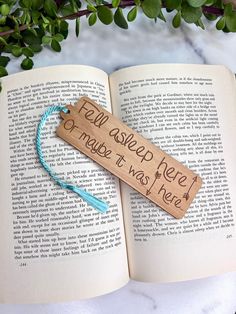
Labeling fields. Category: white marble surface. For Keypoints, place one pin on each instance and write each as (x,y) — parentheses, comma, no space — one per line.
(110,48)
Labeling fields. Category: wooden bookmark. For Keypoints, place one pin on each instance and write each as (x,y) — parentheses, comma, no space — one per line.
(145,167)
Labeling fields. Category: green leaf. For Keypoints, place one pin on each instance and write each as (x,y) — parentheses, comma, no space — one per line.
(173,4)
(92,19)
(220,23)
(64,25)
(30,38)
(115,3)
(119,19)
(46,40)
(91,8)
(230,21)
(35,17)
(3,20)
(77,26)
(105,15)
(23,18)
(73,5)
(7,48)
(225,30)
(67,10)
(25,3)
(4,61)
(16,23)
(196,3)
(151,8)
(228,9)
(132,14)
(63,29)
(36,48)
(50,8)
(33,31)
(16,51)
(5,9)
(16,36)
(137,3)
(27,18)
(58,37)
(40,33)
(209,2)
(190,14)
(27,64)
(210,17)
(162,17)
(200,24)
(37,4)
(45,20)
(78,3)
(176,20)
(17,12)
(3,41)
(27,51)
(55,45)
(3,71)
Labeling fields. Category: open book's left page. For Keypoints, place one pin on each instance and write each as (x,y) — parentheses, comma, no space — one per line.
(53,246)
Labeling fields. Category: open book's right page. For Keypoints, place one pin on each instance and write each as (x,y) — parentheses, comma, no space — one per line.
(189,111)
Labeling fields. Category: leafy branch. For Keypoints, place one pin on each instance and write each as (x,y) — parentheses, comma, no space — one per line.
(27,26)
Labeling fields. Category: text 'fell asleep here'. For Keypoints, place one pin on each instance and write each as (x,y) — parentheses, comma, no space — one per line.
(136,161)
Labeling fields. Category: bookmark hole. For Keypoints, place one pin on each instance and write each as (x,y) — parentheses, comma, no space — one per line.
(65,110)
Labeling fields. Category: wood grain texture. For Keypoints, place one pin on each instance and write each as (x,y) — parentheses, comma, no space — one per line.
(136,161)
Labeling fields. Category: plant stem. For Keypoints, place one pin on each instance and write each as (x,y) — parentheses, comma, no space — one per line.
(123,4)
(212,10)
(11,31)
(128,3)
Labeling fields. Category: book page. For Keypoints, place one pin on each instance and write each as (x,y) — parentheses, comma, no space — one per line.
(54,247)
(189,112)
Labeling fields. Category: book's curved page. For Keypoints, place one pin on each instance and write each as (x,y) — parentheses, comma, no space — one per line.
(190,112)
(53,246)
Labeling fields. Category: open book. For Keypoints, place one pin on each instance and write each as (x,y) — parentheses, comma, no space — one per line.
(53,246)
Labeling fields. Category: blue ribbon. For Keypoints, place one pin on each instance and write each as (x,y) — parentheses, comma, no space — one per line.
(95,202)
